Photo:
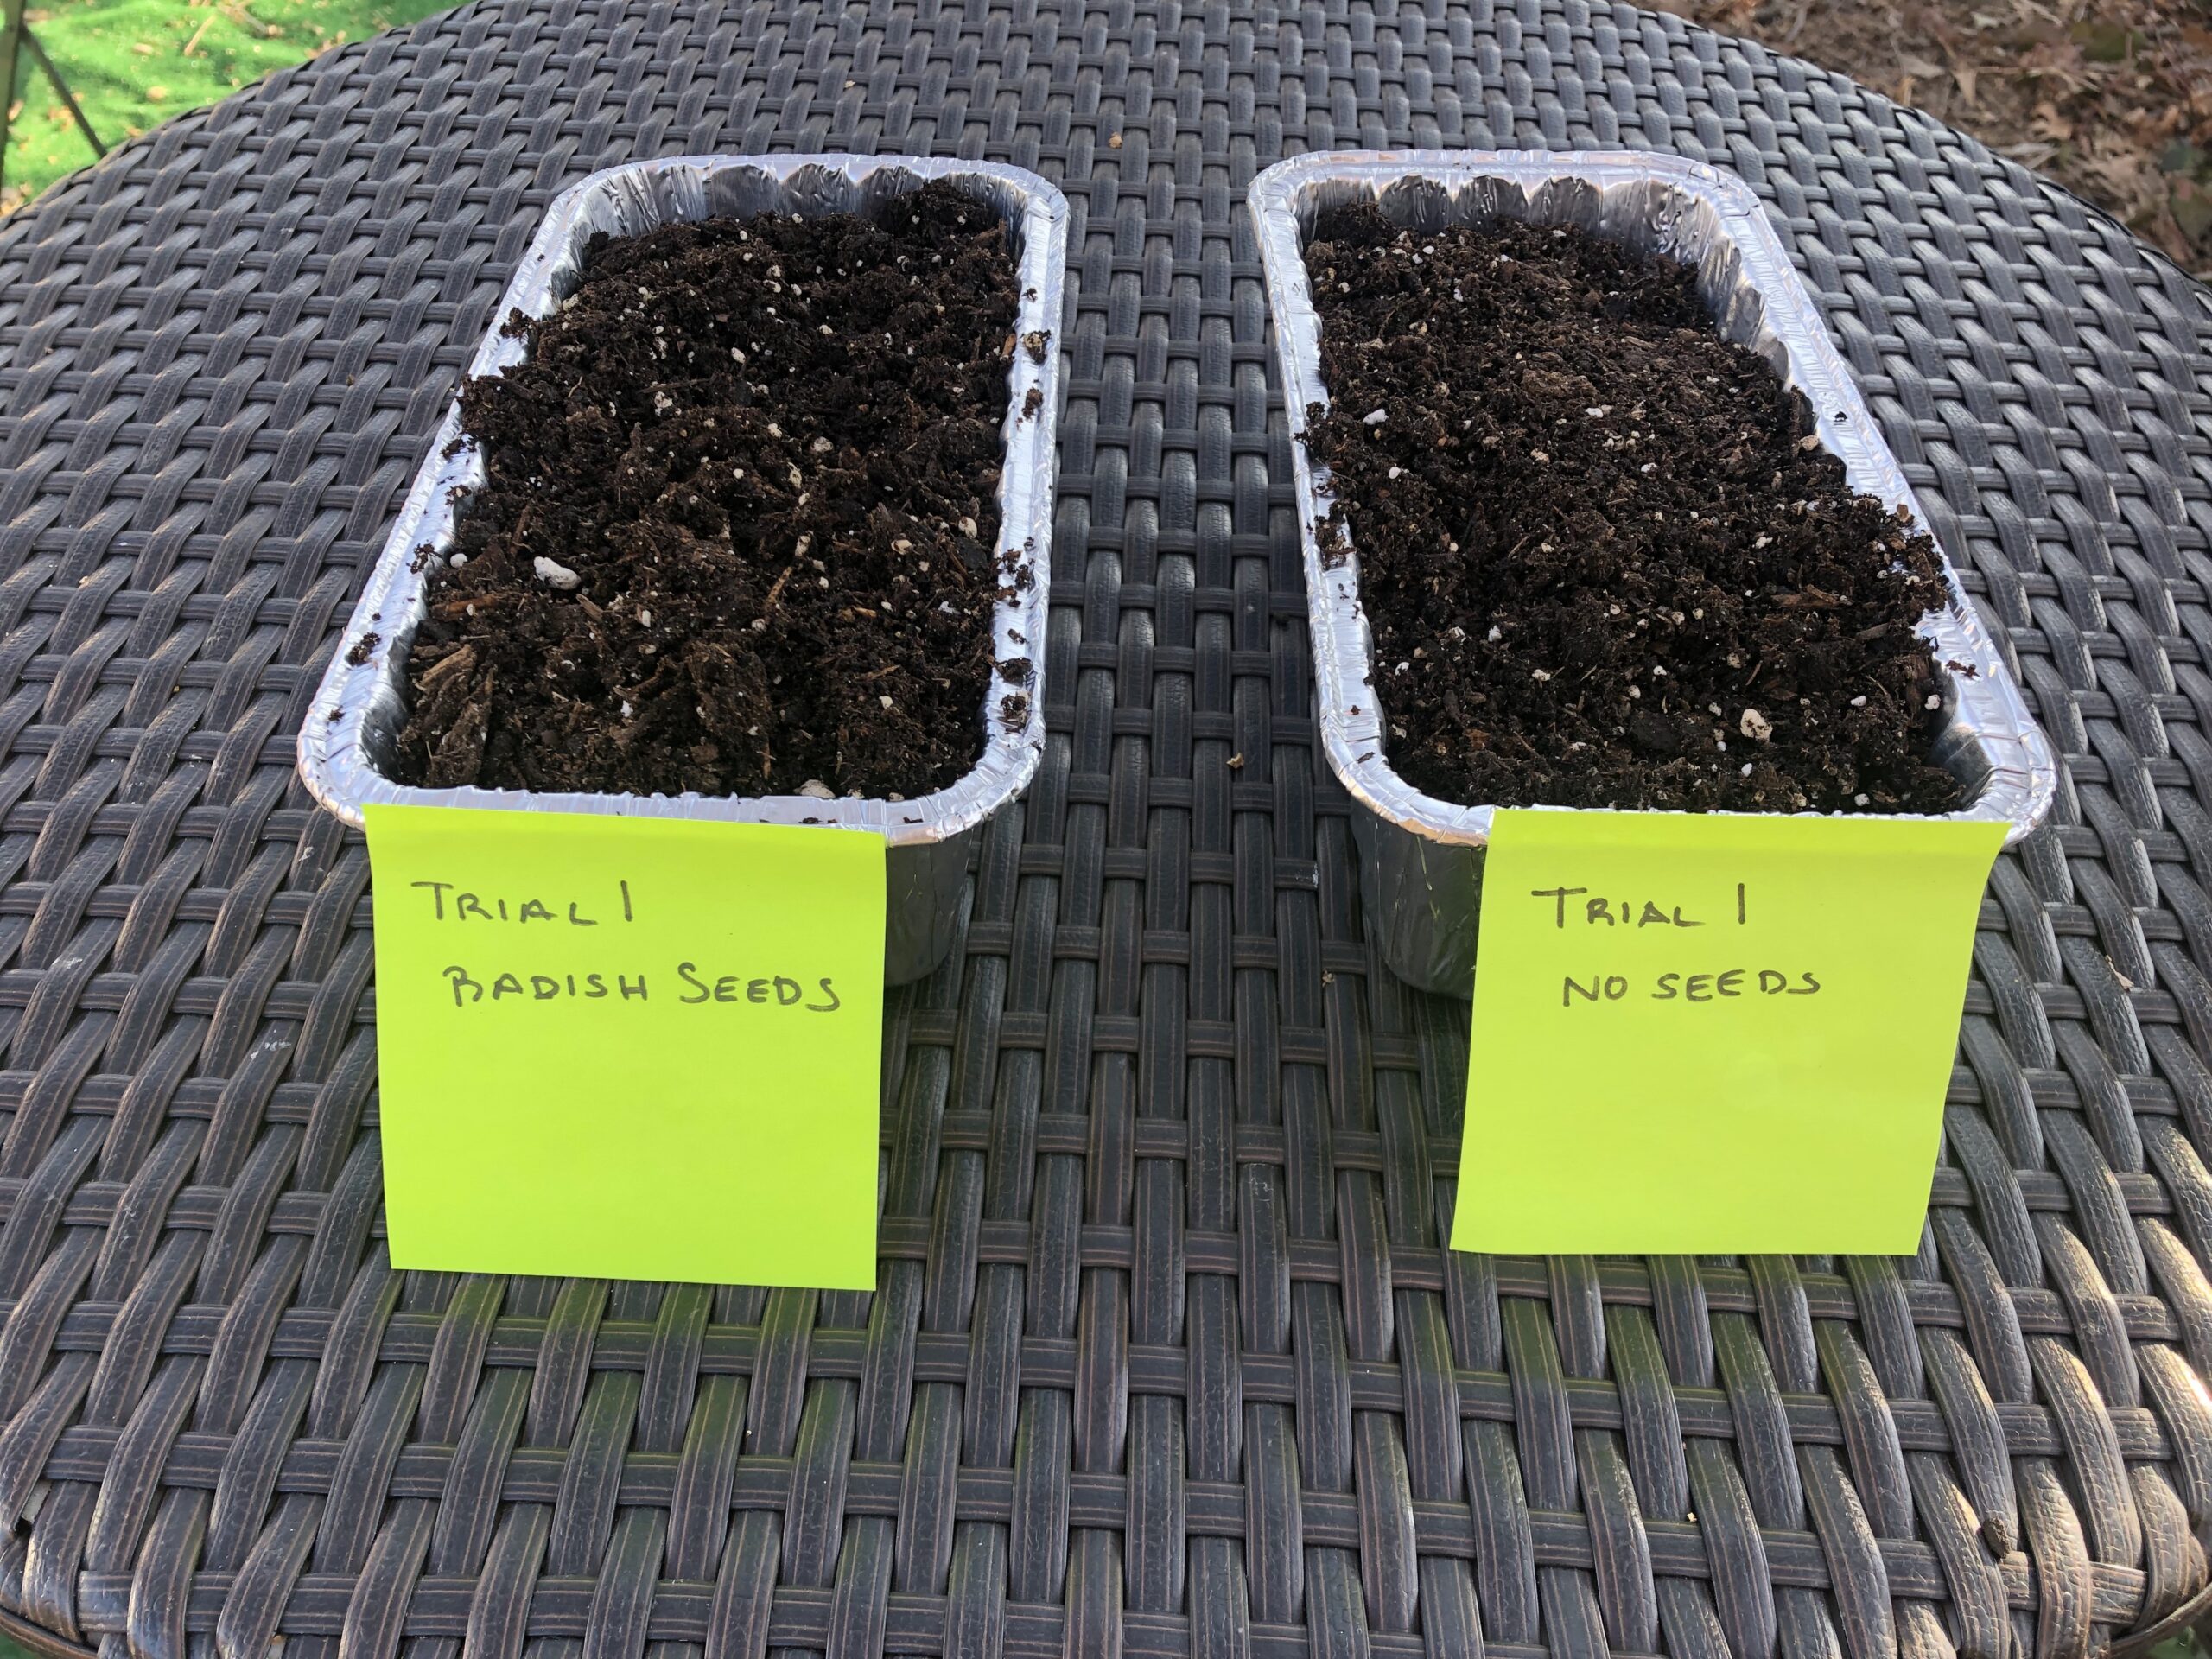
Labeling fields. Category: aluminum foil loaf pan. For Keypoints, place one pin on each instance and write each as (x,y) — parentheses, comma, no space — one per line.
(351,734)
(1421,858)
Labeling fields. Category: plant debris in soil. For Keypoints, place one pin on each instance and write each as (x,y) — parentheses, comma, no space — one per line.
(1605,563)
(738,526)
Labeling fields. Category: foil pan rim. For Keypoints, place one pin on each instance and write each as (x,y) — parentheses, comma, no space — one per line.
(355,699)
(1986,709)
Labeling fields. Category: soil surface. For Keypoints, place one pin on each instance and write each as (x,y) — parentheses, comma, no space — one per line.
(738,532)
(1603,562)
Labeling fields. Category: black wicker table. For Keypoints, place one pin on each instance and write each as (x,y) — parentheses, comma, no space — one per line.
(1165,1357)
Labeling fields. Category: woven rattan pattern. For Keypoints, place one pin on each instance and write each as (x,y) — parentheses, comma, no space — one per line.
(1166,1355)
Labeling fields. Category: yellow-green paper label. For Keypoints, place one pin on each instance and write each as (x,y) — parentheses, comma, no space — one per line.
(1697,1032)
(633,1048)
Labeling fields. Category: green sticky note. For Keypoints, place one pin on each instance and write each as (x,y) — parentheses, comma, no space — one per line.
(633,1048)
(1706,1033)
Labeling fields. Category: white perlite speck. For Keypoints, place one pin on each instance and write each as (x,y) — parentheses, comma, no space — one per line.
(1376,416)
(1754,724)
(555,576)
(815,790)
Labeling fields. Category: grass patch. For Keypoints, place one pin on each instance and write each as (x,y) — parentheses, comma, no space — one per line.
(135,63)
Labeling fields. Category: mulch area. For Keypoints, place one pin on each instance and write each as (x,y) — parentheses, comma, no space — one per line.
(2112,99)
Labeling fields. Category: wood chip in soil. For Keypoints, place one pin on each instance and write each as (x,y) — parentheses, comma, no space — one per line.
(1604,563)
(740,530)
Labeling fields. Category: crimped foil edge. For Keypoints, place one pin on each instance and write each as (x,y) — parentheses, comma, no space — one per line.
(1988,714)
(357,704)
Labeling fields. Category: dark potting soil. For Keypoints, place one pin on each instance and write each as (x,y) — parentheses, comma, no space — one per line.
(739,527)
(1604,560)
